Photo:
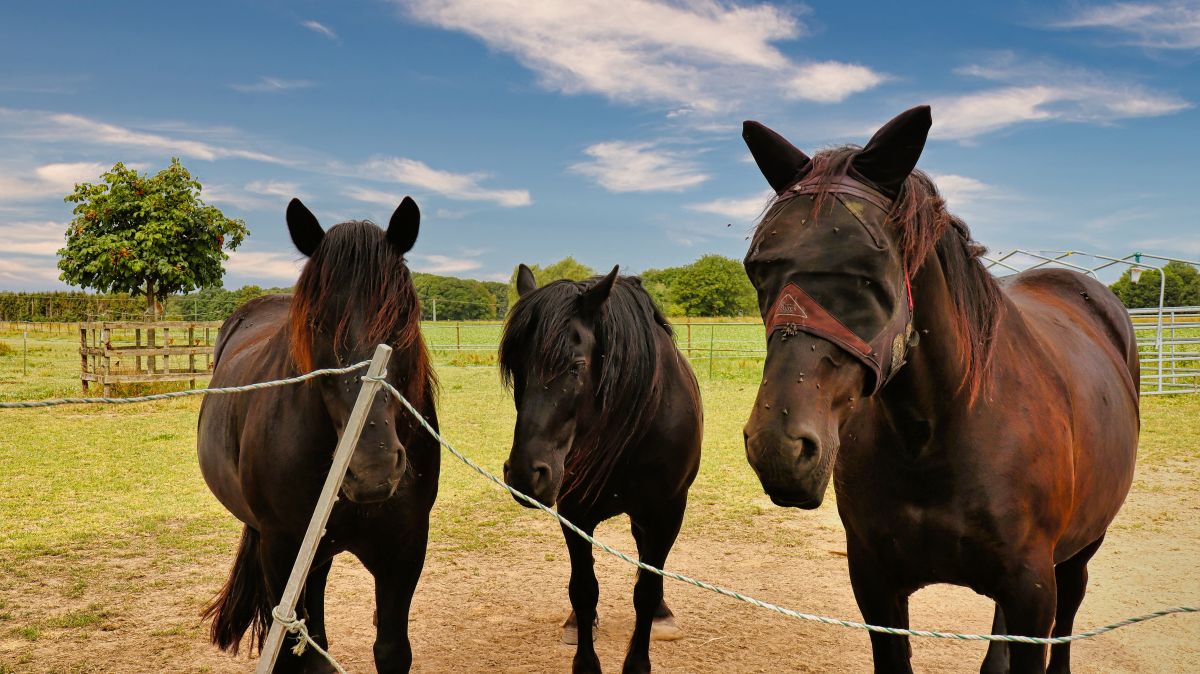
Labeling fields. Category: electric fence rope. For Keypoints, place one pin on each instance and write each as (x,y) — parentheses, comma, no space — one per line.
(27,404)
(1012,638)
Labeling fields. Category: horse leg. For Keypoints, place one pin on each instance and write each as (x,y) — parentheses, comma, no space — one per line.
(584,591)
(396,565)
(664,628)
(996,661)
(314,603)
(1027,596)
(1071,577)
(655,534)
(881,602)
(278,555)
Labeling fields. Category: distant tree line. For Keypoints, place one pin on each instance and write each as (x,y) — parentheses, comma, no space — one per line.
(711,286)
(1182,287)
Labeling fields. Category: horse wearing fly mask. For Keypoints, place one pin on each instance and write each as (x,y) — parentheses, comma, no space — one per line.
(608,422)
(978,432)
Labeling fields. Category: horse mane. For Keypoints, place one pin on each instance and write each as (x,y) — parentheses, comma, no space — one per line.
(356,292)
(537,343)
(924,226)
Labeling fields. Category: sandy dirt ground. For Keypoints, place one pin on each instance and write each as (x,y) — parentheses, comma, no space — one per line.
(498,609)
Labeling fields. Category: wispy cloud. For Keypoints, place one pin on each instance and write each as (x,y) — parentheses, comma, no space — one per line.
(275,188)
(271,85)
(740,210)
(48,180)
(443,264)
(320,29)
(1039,92)
(22,271)
(1155,25)
(265,264)
(699,55)
(621,166)
(40,238)
(418,174)
(68,128)
(961,191)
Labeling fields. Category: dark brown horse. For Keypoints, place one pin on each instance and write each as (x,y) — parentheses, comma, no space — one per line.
(608,422)
(995,457)
(265,454)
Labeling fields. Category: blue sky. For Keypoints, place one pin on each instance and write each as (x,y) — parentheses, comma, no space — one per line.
(604,129)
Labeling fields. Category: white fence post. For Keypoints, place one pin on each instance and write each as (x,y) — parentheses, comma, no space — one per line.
(316,526)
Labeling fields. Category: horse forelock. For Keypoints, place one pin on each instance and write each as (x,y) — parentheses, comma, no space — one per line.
(629,386)
(356,292)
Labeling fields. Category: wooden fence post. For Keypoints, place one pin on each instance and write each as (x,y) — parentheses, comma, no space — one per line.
(316,526)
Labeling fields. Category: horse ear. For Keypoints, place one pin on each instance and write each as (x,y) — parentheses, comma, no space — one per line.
(892,153)
(593,298)
(780,161)
(402,228)
(526,283)
(303,226)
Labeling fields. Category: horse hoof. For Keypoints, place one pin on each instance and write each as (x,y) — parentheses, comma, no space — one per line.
(570,630)
(664,629)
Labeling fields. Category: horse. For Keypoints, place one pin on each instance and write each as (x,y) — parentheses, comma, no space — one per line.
(265,454)
(608,422)
(979,432)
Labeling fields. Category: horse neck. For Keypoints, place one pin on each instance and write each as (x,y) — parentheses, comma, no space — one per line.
(935,371)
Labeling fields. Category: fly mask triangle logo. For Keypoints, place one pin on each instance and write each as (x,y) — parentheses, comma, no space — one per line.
(790,306)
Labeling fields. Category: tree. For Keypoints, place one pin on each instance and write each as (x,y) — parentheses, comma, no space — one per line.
(457,299)
(149,236)
(566,268)
(711,286)
(1182,287)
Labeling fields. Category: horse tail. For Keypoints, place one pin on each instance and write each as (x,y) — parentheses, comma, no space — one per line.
(244,602)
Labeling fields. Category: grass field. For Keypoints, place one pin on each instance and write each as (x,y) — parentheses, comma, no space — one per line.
(104,503)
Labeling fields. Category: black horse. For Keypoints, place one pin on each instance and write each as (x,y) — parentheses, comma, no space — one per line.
(994,454)
(265,454)
(608,422)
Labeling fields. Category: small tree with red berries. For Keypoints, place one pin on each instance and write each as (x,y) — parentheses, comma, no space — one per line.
(146,235)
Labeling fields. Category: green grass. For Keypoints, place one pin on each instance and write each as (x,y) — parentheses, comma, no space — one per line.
(83,484)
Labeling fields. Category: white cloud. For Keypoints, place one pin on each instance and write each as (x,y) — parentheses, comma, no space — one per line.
(233,196)
(67,128)
(274,188)
(442,264)
(22,271)
(706,55)
(831,81)
(320,29)
(418,174)
(961,191)
(1162,25)
(41,238)
(265,264)
(621,166)
(271,85)
(48,180)
(742,210)
(1040,92)
(371,196)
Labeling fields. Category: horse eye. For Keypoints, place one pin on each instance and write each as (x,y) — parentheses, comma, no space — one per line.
(577,368)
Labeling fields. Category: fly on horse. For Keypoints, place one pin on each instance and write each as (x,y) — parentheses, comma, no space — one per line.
(994,454)
(265,454)
(608,422)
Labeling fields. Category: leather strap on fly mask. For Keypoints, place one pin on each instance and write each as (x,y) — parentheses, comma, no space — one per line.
(796,311)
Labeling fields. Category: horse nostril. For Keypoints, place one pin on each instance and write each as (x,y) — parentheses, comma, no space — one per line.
(507,464)
(541,473)
(810,448)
